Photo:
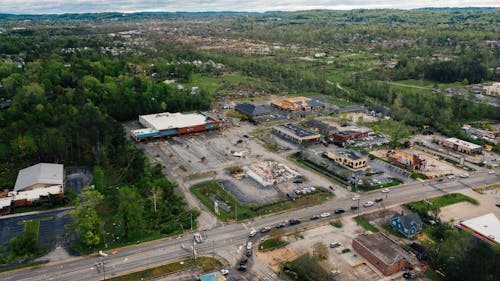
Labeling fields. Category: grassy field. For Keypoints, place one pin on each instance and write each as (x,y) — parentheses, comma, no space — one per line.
(203,190)
(422,207)
(271,244)
(365,224)
(207,264)
(337,224)
(393,182)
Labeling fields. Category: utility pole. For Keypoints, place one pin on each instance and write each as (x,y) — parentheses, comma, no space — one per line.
(191,215)
(104,269)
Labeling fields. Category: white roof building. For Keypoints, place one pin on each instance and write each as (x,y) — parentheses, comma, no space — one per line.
(39,175)
(486,227)
(166,120)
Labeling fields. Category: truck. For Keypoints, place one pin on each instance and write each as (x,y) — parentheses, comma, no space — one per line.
(198,238)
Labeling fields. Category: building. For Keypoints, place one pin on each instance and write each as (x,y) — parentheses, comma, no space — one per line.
(343,136)
(493,90)
(486,135)
(485,228)
(321,127)
(32,183)
(166,125)
(298,104)
(296,134)
(408,225)
(462,146)
(214,276)
(253,111)
(351,109)
(383,253)
(408,161)
(378,111)
(347,157)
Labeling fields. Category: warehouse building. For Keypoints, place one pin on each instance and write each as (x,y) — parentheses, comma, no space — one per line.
(347,157)
(383,253)
(343,136)
(321,127)
(462,146)
(166,125)
(296,134)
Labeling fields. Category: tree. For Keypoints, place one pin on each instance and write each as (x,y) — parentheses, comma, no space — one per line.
(130,212)
(87,220)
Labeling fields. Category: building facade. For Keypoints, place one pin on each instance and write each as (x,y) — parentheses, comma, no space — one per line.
(408,161)
(295,134)
(463,146)
(347,157)
(409,225)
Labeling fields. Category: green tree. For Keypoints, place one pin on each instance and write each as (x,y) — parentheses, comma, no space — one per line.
(87,220)
(130,211)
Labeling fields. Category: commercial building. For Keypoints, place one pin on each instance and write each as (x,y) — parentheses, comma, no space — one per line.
(408,225)
(253,111)
(485,228)
(166,125)
(321,127)
(486,135)
(32,183)
(383,253)
(408,161)
(298,104)
(347,157)
(296,134)
(462,146)
(343,136)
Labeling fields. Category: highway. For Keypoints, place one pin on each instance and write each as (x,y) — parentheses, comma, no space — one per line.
(230,236)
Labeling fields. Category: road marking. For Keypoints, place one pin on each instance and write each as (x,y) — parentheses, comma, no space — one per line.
(125,259)
(244,226)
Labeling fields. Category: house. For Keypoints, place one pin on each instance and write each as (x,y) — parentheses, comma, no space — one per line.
(493,90)
(383,253)
(408,225)
(252,111)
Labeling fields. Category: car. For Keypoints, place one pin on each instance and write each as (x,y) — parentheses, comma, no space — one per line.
(491,172)
(315,217)
(368,204)
(242,268)
(450,177)
(224,271)
(339,211)
(379,200)
(354,208)
(464,175)
(294,221)
(334,244)
(355,198)
(249,253)
(498,205)
(325,215)
(265,229)
(243,261)
(386,190)
(297,181)
(252,233)
(439,180)
(280,225)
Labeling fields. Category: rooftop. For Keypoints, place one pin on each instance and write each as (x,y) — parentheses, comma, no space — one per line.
(487,226)
(350,108)
(42,173)
(166,120)
(348,153)
(296,130)
(382,247)
(252,110)
(322,126)
(463,143)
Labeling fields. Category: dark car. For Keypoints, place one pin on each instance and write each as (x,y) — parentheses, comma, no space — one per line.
(339,211)
(294,221)
(242,268)
(354,207)
(498,205)
(379,200)
(315,217)
(243,261)
(280,225)
(297,181)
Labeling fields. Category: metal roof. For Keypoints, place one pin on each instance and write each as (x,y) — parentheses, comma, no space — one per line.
(252,110)
(42,173)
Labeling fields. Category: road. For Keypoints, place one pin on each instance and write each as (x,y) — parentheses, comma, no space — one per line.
(223,238)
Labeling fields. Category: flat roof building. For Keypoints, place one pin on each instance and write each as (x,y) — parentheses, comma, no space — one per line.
(322,127)
(298,104)
(342,136)
(164,125)
(252,111)
(463,146)
(383,253)
(296,134)
(408,161)
(486,228)
(347,157)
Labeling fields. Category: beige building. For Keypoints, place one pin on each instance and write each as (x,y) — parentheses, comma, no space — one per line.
(463,146)
(347,157)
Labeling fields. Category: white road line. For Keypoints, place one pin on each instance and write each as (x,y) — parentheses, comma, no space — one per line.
(244,226)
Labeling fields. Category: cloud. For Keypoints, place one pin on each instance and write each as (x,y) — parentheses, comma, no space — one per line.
(96,6)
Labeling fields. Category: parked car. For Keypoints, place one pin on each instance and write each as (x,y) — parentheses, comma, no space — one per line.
(354,208)
(243,261)
(386,190)
(325,215)
(294,221)
(315,217)
(464,175)
(368,204)
(379,200)
(450,177)
(297,181)
(355,198)
(280,225)
(265,229)
(242,268)
(334,244)
(224,271)
(498,205)
(491,172)
(339,211)
(252,233)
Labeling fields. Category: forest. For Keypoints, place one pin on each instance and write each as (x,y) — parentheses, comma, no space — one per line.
(67,82)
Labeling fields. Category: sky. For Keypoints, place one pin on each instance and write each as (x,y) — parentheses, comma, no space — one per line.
(130,6)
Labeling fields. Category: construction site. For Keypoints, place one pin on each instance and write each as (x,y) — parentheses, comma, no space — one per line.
(268,172)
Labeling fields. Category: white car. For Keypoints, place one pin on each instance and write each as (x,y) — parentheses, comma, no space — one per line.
(355,198)
(325,215)
(368,204)
(252,233)
(386,190)
(464,175)
(224,271)
(491,172)
(450,177)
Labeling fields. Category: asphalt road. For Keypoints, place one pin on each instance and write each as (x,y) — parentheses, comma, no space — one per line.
(141,256)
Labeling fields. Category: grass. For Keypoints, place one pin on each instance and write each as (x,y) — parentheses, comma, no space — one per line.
(200,175)
(85,250)
(393,232)
(15,267)
(271,244)
(422,207)
(393,182)
(365,224)
(207,264)
(337,224)
(246,211)
(432,275)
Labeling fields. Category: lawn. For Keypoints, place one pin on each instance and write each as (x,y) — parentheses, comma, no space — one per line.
(337,224)
(393,182)
(422,207)
(207,264)
(394,232)
(241,211)
(365,224)
(271,244)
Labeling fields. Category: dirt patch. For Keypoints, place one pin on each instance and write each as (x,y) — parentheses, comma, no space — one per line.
(276,257)
(466,210)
